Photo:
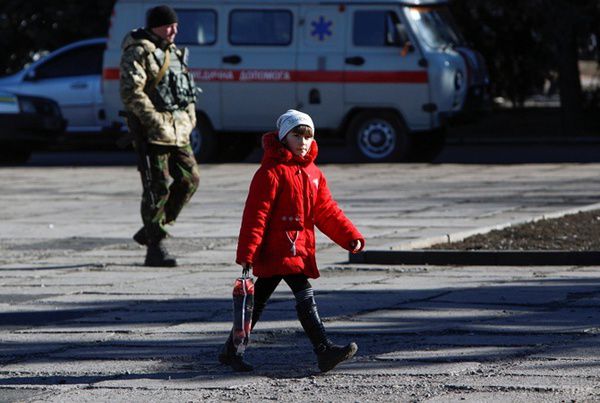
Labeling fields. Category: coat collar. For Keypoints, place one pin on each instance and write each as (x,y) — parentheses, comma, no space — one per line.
(147,34)
(276,152)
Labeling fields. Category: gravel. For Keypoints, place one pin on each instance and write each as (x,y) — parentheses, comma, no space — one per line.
(574,232)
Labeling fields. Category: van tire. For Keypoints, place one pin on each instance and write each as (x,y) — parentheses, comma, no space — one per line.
(378,136)
(203,140)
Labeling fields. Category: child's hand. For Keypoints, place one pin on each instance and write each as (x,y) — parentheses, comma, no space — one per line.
(246,268)
(356,245)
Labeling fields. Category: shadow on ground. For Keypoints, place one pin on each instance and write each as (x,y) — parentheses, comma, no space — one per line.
(396,327)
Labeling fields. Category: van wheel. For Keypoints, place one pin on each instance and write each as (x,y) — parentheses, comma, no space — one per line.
(203,141)
(378,137)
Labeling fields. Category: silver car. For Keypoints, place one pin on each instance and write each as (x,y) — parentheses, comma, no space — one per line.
(71,76)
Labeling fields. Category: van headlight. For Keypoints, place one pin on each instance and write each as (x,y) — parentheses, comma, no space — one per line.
(459,80)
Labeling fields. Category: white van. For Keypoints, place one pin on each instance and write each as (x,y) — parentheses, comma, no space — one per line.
(383,75)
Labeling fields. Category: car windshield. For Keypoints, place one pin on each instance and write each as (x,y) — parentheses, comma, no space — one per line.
(435,25)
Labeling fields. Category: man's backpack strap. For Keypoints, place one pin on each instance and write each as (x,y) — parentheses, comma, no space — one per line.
(162,71)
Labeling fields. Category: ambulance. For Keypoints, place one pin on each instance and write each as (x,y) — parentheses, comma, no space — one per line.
(384,77)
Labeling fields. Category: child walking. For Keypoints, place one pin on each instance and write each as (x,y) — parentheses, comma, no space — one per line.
(288,197)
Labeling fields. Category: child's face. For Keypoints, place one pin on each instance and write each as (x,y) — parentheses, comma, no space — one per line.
(298,143)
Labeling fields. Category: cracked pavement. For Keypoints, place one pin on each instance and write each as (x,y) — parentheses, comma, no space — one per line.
(82,320)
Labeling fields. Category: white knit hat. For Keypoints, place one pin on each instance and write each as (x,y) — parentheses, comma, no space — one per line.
(291,119)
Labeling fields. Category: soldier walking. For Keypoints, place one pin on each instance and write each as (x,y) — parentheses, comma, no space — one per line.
(159,96)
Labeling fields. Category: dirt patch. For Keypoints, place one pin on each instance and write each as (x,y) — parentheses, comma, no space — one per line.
(576,232)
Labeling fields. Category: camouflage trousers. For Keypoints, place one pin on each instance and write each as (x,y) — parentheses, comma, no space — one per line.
(175,178)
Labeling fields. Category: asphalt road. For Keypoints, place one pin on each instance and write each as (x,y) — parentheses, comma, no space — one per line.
(82,320)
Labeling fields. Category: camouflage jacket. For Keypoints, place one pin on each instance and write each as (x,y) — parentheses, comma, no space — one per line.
(139,68)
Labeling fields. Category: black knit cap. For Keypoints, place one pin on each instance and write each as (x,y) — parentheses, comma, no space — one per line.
(159,16)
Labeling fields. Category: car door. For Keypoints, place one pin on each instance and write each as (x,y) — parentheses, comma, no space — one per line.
(259,58)
(72,78)
(382,67)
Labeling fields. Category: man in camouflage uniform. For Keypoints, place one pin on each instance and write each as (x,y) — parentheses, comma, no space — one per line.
(158,93)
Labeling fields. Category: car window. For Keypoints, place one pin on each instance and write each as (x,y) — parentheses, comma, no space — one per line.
(376,28)
(81,61)
(260,27)
(196,27)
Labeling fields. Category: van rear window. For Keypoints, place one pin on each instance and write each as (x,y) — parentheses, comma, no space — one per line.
(196,27)
(260,27)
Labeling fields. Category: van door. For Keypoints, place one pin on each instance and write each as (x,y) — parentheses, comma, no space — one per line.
(260,56)
(383,66)
(321,53)
(198,31)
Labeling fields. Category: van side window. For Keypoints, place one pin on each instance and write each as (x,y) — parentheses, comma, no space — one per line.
(377,28)
(196,27)
(260,27)
(82,61)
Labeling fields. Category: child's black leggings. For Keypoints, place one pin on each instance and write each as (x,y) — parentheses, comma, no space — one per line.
(265,286)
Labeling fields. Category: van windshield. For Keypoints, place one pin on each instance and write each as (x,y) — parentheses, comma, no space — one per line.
(435,25)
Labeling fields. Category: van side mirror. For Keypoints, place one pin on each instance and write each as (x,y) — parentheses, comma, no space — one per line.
(407,48)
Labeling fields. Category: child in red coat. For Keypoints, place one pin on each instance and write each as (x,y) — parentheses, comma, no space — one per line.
(288,197)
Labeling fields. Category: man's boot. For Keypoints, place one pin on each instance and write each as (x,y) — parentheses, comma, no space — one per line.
(158,256)
(229,356)
(328,354)
(141,237)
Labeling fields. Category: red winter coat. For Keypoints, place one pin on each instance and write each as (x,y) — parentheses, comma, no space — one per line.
(288,196)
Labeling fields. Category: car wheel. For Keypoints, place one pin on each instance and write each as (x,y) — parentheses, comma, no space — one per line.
(378,137)
(203,141)
(14,155)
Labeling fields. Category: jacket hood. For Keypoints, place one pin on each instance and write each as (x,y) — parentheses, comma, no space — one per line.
(145,38)
(276,152)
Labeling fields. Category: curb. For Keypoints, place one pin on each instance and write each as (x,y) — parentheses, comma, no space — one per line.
(480,258)
(460,235)
(545,141)
(406,253)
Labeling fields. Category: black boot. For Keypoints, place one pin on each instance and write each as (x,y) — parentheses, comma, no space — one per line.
(141,237)
(328,354)
(228,356)
(157,255)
